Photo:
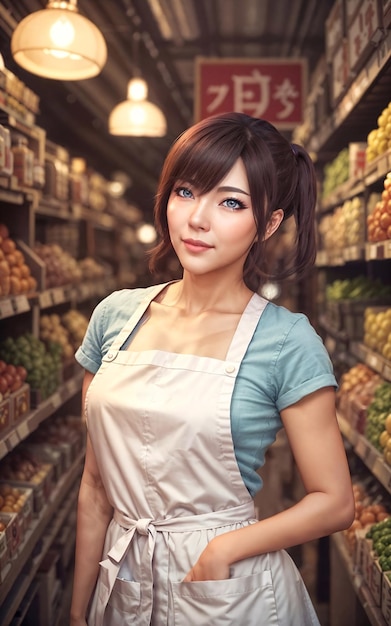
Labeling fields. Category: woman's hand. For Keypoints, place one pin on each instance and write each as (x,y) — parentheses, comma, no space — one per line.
(212,564)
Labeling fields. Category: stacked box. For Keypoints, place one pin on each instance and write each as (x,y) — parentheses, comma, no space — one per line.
(364,32)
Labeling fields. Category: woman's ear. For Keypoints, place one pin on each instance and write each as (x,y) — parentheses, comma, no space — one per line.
(274,223)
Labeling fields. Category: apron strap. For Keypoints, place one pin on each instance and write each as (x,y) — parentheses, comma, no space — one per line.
(136,316)
(246,328)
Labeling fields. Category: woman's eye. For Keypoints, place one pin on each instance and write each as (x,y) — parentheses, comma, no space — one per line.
(233,203)
(183,192)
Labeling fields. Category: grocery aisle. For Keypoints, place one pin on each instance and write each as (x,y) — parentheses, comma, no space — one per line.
(68,238)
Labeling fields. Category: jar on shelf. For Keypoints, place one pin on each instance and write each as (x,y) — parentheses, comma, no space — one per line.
(23,161)
(79,181)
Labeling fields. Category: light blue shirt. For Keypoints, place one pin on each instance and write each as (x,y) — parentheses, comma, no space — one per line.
(285,361)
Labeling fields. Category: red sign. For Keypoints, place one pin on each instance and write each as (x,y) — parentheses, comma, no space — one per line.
(273,89)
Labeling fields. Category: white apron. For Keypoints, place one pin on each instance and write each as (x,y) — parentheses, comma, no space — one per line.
(160,428)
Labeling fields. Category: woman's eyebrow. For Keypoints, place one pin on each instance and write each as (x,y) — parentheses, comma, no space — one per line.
(227,188)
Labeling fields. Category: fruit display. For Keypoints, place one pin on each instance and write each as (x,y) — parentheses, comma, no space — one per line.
(52,331)
(355,393)
(15,274)
(43,364)
(379,139)
(90,269)
(20,467)
(336,172)
(379,219)
(11,378)
(61,267)
(385,439)
(12,499)
(367,513)
(377,330)
(380,534)
(358,288)
(76,324)
(332,230)
(377,413)
(353,213)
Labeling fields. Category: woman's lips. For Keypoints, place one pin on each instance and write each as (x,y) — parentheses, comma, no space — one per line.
(195,245)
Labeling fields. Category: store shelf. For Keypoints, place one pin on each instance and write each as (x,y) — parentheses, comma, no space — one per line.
(372,611)
(374,360)
(31,422)
(14,305)
(365,80)
(367,453)
(20,577)
(378,251)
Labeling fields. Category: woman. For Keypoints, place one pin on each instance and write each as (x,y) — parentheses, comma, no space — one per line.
(187,384)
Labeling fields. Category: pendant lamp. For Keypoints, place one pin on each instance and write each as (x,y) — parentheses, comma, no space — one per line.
(136,116)
(57,42)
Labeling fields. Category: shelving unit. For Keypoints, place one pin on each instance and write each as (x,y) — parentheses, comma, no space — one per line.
(352,116)
(104,236)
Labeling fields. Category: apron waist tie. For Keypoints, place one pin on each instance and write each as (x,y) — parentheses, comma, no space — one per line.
(149,527)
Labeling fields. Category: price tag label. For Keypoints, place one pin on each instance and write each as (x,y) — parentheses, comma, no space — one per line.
(365,451)
(23,430)
(374,362)
(56,400)
(58,295)
(387,372)
(373,252)
(382,471)
(72,386)
(13,439)
(45,299)
(21,304)
(6,308)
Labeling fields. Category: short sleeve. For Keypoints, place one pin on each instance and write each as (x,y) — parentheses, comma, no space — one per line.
(89,354)
(302,366)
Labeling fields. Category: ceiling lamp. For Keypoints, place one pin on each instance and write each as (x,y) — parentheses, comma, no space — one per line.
(58,42)
(136,116)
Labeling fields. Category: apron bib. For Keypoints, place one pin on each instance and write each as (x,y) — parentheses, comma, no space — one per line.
(160,427)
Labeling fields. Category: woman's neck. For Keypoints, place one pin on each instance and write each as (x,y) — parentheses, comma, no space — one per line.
(196,295)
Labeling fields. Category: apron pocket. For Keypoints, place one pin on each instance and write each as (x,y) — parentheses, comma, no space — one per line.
(225,602)
(124,604)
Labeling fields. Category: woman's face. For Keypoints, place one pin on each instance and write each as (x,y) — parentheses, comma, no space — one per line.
(213,231)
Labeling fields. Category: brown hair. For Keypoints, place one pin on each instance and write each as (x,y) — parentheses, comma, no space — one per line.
(280,176)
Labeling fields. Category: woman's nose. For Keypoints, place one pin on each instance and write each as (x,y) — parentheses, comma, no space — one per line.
(199,216)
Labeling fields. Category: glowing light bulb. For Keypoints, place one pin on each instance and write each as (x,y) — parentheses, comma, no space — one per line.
(62,33)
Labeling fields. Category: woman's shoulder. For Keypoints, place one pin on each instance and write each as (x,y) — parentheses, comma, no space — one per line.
(278,314)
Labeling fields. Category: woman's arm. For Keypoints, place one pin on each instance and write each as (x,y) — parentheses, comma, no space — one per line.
(93,516)
(327,507)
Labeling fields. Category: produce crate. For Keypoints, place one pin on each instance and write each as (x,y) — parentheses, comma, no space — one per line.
(375,586)
(20,400)
(6,415)
(47,454)
(353,314)
(386,597)
(23,507)
(41,489)
(12,533)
